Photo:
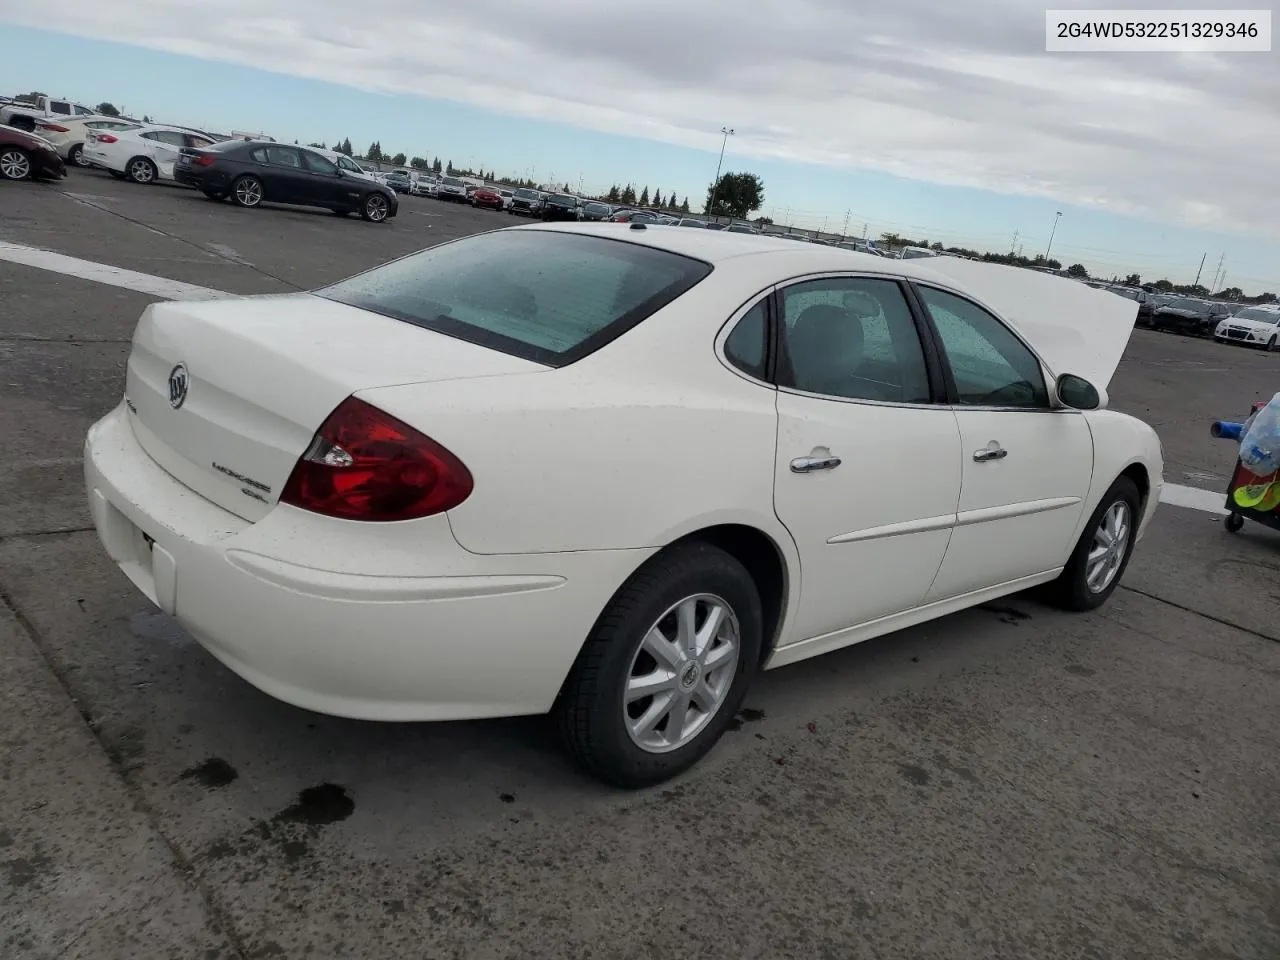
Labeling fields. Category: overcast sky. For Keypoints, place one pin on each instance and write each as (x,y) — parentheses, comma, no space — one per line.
(958,93)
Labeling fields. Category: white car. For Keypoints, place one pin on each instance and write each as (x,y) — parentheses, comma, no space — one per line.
(68,134)
(613,471)
(1254,326)
(453,189)
(145,154)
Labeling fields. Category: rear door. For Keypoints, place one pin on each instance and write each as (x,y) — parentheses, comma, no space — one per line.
(283,176)
(163,147)
(867,475)
(1026,467)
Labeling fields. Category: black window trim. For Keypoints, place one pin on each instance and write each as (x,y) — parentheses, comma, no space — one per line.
(952,394)
(519,348)
(769,347)
(924,333)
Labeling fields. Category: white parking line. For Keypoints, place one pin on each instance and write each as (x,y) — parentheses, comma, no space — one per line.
(105,273)
(1173,494)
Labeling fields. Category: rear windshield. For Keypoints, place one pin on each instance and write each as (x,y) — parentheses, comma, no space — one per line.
(545,296)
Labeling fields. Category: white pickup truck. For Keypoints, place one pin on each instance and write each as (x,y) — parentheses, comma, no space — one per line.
(24,114)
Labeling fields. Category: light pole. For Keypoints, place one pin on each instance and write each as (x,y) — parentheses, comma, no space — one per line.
(715,187)
(1056,217)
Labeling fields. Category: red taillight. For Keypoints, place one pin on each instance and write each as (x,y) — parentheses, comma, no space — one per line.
(53,127)
(204,160)
(364,464)
(106,138)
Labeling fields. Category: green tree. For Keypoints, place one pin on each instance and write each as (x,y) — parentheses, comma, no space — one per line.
(399,160)
(1164,286)
(657,199)
(614,195)
(629,194)
(1078,270)
(107,109)
(374,152)
(318,146)
(735,195)
(448,168)
(346,147)
(1133,280)
(644,197)
(145,118)
(418,163)
(684,205)
(436,166)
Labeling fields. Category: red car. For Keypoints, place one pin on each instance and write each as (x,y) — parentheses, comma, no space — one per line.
(25,156)
(485,197)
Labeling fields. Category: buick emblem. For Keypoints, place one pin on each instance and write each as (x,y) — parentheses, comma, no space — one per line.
(178,382)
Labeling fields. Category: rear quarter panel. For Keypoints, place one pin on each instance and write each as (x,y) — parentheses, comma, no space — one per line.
(648,439)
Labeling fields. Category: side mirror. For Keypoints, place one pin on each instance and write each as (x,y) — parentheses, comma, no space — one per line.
(1077,393)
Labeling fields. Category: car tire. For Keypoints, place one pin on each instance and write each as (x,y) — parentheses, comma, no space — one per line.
(247,192)
(1271,344)
(75,156)
(596,711)
(375,208)
(143,171)
(15,163)
(1119,510)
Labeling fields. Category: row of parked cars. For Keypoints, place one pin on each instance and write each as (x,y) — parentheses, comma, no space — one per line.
(1252,325)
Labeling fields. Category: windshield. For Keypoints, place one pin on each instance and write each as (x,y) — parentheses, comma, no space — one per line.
(527,194)
(564,199)
(1256,313)
(548,297)
(596,208)
(451,182)
(1184,303)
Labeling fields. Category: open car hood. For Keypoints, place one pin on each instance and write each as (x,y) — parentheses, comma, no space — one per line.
(1074,327)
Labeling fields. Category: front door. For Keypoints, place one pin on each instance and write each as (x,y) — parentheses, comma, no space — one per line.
(1026,467)
(868,468)
(324,186)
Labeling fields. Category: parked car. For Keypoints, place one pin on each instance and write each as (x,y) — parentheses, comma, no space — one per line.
(24,156)
(487,197)
(634,216)
(562,206)
(596,211)
(399,181)
(526,202)
(145,154)
(68,134)
(252,172)
(1184,315)
(1253,326)
(453,190)
(423,187)
(691,222)
(507,197)
(1141,296)
(364,454)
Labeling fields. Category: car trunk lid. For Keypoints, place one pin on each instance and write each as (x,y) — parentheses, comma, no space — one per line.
(226,395)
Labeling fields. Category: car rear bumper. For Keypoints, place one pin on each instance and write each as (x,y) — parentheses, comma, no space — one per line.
(372,621)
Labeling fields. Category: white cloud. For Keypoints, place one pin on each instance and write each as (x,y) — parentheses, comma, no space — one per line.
(952,93)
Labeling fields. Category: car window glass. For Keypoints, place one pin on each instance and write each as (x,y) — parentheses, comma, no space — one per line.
(318,164)
(191,140)
(83,111)
(990,366)
(150,135)
(260,155)
(853,338)
(170,137)
(283,157)
(744,348)
(60,107)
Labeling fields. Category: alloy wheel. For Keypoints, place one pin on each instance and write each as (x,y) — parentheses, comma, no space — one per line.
(248,192)
(376,207)
(681,673)
(14,164)
(141,171)
(1110,543)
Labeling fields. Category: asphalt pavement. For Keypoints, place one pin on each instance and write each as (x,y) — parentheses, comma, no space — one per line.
(1007,782)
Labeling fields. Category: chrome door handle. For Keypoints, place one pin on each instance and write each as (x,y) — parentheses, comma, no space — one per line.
(990,453)
(809,464)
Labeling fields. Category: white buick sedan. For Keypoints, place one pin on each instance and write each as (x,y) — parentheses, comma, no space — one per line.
(613,471)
